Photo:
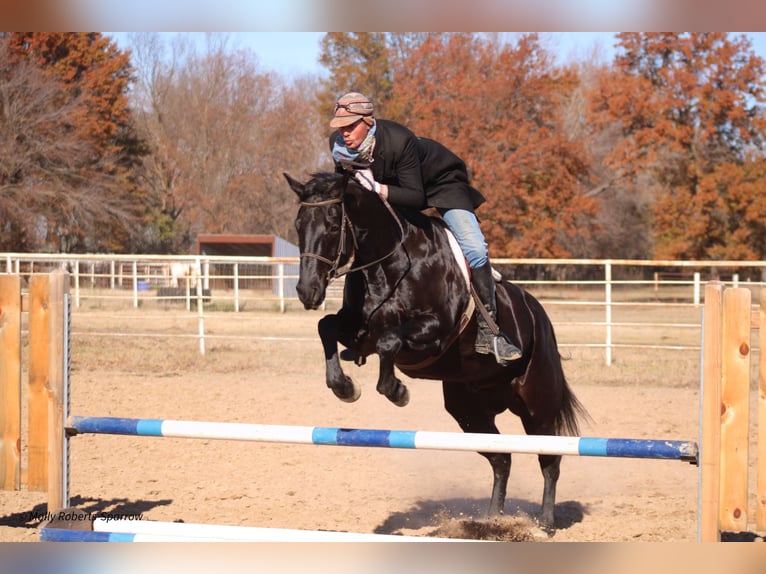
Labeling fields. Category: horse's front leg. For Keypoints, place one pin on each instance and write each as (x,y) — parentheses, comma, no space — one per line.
(387,346)
(340,383)
(418,335)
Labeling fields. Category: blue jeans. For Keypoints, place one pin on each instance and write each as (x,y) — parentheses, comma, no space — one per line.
(465,227)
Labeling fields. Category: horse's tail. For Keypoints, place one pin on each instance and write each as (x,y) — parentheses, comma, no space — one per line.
(546,353)
(571,412)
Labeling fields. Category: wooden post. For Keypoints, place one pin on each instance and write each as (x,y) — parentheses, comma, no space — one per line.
(760,511)
(735,394)
(39,362)
(10,382)
(58,362)
(710,416)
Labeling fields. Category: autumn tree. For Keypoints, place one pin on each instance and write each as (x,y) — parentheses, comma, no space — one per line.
(38,149)
(620,227)
(357,62)
(70,141)
(222,132)
(689,109)
(499,105)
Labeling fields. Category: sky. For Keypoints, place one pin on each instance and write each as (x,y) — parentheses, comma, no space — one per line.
(296,53)
(285,33)
(387,15)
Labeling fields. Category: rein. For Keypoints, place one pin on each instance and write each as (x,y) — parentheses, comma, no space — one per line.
(336,270)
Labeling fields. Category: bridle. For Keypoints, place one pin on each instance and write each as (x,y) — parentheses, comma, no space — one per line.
(336,270)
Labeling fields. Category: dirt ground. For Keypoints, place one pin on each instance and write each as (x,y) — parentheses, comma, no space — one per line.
(267,368)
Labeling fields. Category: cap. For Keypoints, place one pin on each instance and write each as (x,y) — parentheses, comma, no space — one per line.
(350,108)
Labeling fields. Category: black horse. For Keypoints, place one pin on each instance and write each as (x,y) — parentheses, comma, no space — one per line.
(407,300)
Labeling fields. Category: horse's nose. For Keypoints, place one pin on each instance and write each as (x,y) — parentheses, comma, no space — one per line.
(310,295)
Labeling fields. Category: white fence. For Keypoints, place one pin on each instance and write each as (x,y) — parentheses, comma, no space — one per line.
(620,290)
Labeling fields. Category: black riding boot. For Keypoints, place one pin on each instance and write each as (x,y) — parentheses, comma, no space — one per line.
(486,342)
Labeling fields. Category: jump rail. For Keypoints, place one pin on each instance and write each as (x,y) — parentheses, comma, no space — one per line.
(106,529)
(406,439)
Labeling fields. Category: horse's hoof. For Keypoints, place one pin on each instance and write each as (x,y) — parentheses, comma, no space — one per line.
(547,524)
(548,528)
(348,393)
(402,397)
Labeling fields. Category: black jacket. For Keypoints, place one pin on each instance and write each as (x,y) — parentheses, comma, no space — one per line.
(419,172)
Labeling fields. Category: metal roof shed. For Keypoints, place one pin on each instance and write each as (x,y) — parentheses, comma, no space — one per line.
(253,246)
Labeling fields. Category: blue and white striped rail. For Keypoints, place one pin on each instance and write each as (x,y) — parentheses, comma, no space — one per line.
(475,442)
(110,530)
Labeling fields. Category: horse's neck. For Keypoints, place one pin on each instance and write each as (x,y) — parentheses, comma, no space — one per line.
(378,232)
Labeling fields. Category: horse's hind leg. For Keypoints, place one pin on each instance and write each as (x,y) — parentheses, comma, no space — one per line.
(340,383)
(550,466)
(475,410)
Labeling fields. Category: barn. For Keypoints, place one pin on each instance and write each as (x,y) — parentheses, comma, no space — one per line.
(252,275)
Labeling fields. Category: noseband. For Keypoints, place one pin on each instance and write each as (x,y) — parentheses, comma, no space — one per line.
(336,270)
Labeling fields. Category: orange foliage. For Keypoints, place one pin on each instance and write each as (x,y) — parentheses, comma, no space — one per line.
(498,106)
(67,93)
(88,64)
(688,108)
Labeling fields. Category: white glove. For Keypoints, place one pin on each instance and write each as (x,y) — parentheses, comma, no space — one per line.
(365,179)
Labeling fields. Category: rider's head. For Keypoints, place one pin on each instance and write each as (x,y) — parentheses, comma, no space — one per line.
(353,118)
(351,108)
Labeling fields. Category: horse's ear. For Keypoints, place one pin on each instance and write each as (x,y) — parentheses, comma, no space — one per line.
(295,185)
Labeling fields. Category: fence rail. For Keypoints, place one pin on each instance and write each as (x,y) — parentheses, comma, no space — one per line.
(620,289)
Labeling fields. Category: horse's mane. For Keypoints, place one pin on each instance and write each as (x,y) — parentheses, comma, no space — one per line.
(325,180)
(327,176)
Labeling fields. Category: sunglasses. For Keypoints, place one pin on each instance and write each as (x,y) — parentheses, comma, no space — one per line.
(360,108)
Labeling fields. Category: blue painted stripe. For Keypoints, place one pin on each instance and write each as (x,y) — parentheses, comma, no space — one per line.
(324,435)
(115,425)
(402,439)
(363,437)
(66,535)
(149,427)
(120,537)
(104,425)
(592,446)
(635,448)
(645,448)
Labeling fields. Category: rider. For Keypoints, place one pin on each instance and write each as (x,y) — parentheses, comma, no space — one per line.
(406,170)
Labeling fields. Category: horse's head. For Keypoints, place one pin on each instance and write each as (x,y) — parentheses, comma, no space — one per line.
(322,235)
